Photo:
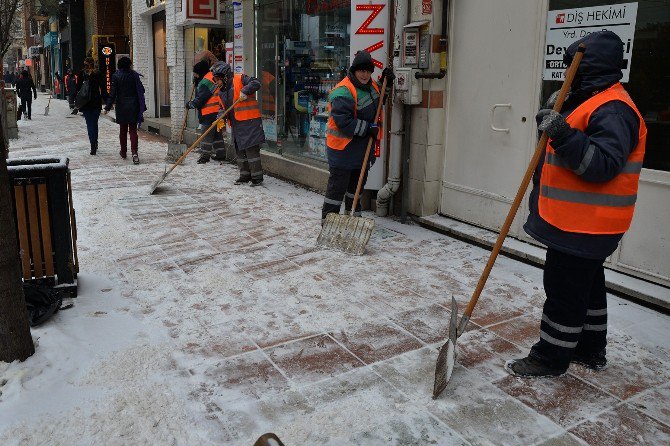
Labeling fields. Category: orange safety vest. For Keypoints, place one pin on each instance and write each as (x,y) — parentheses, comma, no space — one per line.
(267,97)
(244,110)
(212,104)
(335,139)
(574,205)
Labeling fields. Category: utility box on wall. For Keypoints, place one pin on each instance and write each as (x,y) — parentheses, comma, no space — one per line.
(407,87)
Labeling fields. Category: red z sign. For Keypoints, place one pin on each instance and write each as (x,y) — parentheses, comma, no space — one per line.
(365,29)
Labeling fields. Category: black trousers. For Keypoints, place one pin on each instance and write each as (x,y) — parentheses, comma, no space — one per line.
(574,318)
(27,107)
(341,187)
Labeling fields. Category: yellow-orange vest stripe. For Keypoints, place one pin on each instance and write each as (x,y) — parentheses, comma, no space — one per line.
(574,205)
(212,104)
(335,139)
(247,109)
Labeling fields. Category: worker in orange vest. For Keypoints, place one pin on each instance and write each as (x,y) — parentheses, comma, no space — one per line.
(206,102)
(70,87)
(245,120)
(268,84)
(352,105)
(581,205)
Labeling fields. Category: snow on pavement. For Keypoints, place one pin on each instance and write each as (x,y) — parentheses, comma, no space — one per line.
(206,315)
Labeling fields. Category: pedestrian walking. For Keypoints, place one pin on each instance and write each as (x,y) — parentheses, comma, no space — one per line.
(71,87)
(89,100)
(206,102)
(581,205)
(25,88)
(128,95)
(353,105)
(244,120)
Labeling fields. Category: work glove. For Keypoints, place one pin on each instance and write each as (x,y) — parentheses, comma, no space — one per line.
(553,123)
(189,105)
(243,97)
(387,73)
(373,130)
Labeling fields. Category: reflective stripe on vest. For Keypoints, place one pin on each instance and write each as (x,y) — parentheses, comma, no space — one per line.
(212,104)
(574,205)
(245,110)
(337,140)
(268,104)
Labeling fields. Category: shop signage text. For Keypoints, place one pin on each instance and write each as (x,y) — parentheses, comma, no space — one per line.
(107,63)
(238,38)
(314,7)
(564,26)
(426,7)
(200,12)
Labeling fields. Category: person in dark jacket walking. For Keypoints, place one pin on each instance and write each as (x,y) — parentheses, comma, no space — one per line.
(70,87)
(25,88)
(91,109)
(353,105)
(206,102)
(128,95)
(581,205)
(244,119)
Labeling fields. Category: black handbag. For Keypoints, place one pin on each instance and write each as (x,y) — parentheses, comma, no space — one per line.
(84,94)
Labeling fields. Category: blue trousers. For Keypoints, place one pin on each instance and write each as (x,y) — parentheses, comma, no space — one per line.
(91,117)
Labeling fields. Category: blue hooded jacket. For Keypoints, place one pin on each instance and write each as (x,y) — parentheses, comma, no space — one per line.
(599,152)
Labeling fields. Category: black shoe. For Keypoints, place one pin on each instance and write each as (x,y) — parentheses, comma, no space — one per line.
(204,158)
(94,148)
(594,361)
(256,182)
(242,180)
(136,159)
(529,367)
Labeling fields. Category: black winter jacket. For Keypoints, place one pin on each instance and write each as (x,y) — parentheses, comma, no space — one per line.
(25,88)
(124,94)
(612,134)
(98,92)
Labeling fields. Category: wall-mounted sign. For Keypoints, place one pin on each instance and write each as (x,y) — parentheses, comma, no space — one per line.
(200,12)
(238,38)
(369,26)
(426,7)
(107,63)
(565,26)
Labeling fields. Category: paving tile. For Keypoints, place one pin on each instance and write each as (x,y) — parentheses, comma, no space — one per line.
(623,426)
(655,403)
(429,323)
(631,369)
(215,342)
(272,268)
(484,353)
(312,359)
(523,331)
(376,341)
(566,400)
(565,439)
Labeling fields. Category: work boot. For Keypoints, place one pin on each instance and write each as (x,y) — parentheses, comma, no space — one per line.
(256,182)
(94,148)
(594,361)
(242,180)
(136,158)
(530,367)
(204,158)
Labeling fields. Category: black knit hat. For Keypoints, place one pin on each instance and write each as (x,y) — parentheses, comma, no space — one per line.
(201,68)
(362,61)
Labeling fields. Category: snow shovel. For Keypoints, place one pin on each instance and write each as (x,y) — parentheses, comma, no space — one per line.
(447,355)
(46,109)
(348,233)
(179,147)
(160,179)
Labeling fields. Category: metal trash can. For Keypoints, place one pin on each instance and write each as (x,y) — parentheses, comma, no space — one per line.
(45,220)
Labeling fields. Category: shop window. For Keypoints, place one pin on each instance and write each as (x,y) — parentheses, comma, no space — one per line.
(649,83)
(302,51)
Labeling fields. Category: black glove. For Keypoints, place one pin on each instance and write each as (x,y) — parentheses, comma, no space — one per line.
(373,130)
(553,123)
(387,74)
(189,105)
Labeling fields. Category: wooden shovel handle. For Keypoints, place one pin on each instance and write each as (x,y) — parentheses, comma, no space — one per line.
(197,141)
(183,124)
(539,151)
(367,151)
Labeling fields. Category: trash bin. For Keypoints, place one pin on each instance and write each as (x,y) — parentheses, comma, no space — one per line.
(10,113)
(45,220)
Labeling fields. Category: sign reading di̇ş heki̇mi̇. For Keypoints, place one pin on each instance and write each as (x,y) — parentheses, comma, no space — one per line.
(238,40)
(564,26)
(369,31)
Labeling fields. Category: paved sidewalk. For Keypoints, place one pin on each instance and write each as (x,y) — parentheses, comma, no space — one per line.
(265,332)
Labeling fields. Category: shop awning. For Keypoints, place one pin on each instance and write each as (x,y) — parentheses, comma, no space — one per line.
(417,24)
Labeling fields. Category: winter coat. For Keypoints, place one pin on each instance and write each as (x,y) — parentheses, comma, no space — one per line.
(247,133)
(126,89)
(612,133)
(25,87)
(203,91)
(97,91)
(71,84)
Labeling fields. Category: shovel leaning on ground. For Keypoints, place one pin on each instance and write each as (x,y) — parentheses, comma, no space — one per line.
(179,146)
(46,109)
(447,355)
(160,179)
(348,233)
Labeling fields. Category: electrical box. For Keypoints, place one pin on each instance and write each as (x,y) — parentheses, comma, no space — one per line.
(416,45)
(409,89)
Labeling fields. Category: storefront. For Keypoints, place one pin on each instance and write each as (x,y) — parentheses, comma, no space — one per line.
(484,164)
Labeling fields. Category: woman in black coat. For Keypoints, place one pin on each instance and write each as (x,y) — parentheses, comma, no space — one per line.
(25,88)
(92,106)
(128,95)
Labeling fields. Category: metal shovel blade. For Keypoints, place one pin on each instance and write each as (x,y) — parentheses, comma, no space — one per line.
(174,151)
(156,183)
(346,233)
(447,357)
(46,110)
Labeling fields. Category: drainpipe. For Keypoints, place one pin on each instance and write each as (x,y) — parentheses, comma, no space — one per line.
(386,193)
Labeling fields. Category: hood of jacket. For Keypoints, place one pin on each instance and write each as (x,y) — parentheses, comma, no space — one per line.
(601,65)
